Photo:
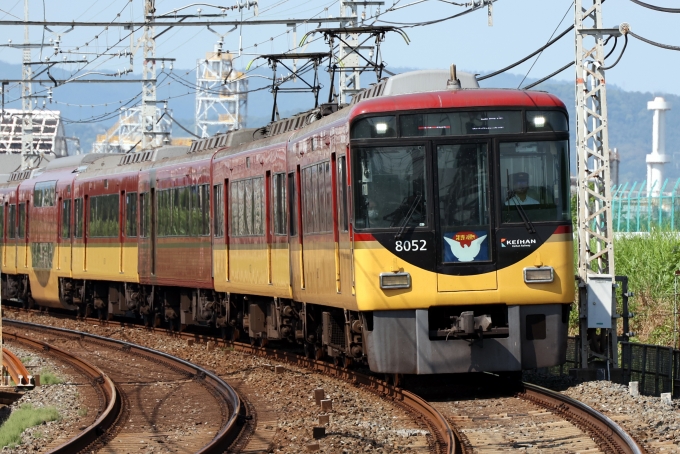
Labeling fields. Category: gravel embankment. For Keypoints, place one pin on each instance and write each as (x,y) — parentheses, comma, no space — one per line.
(66,397)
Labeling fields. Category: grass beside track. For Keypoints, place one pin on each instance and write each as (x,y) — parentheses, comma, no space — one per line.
(21,419)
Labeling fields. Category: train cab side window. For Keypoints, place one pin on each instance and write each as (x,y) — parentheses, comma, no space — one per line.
(66,219)
(21,232)
(218,210)
(12,225)
(342,194)
(279,197)
(131,214)
(292,204)
(78,218)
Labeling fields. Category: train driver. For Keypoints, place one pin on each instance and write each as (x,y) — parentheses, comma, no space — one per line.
(520,187)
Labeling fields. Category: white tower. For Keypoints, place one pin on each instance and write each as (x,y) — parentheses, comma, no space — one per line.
(657,158)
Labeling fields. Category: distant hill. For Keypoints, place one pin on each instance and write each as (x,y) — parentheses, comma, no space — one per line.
(630,121)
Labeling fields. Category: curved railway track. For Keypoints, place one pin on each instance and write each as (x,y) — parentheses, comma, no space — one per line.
(109,397)
(157,393)
(451,433)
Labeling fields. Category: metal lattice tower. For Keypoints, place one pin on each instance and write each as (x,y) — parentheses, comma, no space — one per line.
(595,236)
(350,65)
(28,155)
(221,99)
(149,77)
(127,133)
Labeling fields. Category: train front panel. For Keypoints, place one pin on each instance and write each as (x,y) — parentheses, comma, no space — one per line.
(462,237)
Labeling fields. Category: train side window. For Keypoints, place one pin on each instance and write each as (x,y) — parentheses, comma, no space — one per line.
(21,232)
(342,194)
(258,206)
(131,214)
(12,227)
(78,215)
(44,194)
(279,196)
(66,219)
(104,216)
(218,210)
(292,205)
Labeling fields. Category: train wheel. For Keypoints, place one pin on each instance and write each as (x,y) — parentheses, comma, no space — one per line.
(338,361)
(318,352)
(253,341)
(157,320)
(349,362)
(235,334)
(309,350)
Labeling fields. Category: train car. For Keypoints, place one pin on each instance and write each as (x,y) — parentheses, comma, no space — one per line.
(423,229)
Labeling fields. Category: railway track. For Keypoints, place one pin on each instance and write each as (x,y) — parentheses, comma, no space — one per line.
(531,418)
(158,397)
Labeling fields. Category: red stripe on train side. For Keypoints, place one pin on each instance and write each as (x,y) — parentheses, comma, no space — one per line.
(363,237)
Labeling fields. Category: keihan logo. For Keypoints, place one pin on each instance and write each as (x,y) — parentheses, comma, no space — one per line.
(523,242)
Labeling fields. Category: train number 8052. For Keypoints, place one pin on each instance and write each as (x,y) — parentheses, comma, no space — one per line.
(410,246)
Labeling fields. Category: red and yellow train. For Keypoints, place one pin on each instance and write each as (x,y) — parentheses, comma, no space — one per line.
(425,229)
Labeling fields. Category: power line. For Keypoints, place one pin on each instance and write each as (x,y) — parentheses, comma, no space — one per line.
(656,8)
(537,51)
(541,52)
(653,43)
(532,85)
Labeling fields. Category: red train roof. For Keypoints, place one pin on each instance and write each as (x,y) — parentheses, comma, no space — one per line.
(479,97)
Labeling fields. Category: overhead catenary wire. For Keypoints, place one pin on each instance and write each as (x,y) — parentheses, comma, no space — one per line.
(537,51)
(541,52)
(532,85)
(625,44)
(656,8)
(654,43)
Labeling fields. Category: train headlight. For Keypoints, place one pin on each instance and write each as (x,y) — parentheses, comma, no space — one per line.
(381,128)
(539,122)
(539,275)
(395,280)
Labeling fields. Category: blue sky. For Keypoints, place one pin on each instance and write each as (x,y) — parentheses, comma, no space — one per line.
(520,26)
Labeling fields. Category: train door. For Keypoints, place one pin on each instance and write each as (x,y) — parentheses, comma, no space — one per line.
(463,216)
(122,216)
(298,212)
(343,243)
(64,240)
(295,240)
(153,231)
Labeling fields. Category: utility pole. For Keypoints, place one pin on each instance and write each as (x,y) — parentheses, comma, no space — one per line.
(27,151)
(350,67)
(597,305)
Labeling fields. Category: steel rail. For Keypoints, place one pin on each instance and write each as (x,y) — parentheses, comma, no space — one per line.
(98,379)
(445,441)
(587,418)
(229,432)
(22,378)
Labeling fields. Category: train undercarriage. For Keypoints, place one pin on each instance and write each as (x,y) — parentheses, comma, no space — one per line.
(321,330)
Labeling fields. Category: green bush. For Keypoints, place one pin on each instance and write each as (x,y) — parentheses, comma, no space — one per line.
(650,262)
(21,419)
(49,378)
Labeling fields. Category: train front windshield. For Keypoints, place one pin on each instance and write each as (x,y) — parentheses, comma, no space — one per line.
(414,169)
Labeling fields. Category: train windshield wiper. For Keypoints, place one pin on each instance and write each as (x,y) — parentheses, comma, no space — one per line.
(520,210)
(409,214)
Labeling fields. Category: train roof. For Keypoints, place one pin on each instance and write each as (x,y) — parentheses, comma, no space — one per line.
(462,98)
